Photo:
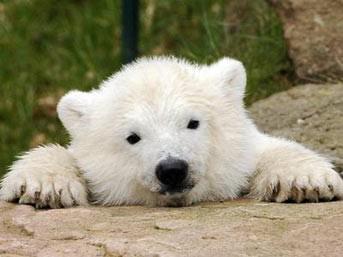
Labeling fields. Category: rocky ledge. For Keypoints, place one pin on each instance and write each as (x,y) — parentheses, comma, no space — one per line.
(310,114)
(233,228)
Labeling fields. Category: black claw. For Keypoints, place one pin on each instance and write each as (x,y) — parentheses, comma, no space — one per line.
(37,195)
(22,189)
(276,190)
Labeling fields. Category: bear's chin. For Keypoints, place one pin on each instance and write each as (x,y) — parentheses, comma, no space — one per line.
(173,200)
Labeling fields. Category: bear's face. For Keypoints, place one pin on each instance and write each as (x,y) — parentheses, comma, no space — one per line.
(151,127)
(167,139)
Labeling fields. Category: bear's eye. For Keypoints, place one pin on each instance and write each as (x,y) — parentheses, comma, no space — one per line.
(133,139)
(193,124)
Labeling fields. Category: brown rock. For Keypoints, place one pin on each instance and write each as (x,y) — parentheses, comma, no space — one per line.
(313,31)
(310,114)
(233,228)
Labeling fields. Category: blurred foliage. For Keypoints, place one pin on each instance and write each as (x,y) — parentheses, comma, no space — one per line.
(49,47)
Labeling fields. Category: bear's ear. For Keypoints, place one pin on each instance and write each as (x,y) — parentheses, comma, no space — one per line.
(230,75)
(72,110)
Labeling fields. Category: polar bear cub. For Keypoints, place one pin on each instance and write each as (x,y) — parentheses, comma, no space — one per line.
(166,132)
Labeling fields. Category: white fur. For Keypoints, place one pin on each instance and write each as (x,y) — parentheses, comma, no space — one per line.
(156,98)
(45,176)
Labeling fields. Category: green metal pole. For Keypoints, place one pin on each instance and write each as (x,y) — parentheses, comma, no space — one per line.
(130,21)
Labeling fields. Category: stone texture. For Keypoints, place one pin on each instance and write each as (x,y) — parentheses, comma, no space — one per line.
(233,228)
(310,114)
(313,32)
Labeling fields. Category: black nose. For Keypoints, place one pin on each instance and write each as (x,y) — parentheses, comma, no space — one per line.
(172,172)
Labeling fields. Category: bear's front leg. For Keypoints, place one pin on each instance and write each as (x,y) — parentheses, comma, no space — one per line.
(286,170)
(45,177)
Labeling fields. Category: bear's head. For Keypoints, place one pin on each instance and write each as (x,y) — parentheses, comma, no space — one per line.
(159,130)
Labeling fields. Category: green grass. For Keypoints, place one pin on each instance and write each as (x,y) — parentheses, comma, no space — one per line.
(48,47)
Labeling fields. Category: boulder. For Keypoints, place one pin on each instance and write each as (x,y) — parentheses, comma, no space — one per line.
(313,32)
(233,228)
(309,114)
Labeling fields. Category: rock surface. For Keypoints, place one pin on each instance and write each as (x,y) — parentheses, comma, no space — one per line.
(236,228)
(310,114)
(313,32)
